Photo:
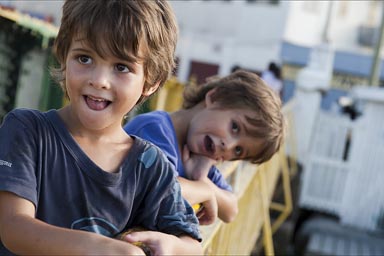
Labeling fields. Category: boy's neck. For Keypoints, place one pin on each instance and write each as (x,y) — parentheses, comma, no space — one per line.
(78,131)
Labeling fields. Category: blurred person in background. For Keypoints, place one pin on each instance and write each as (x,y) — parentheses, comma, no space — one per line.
(272,77)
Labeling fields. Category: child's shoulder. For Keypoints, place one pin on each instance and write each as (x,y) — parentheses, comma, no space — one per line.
(149,153)
(145,145)
(146,120)
(153,116)
(25,111)
(24,114)
(28,117)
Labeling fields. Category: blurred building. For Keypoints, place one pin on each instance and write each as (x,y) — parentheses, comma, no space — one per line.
(221,34)
(216,36)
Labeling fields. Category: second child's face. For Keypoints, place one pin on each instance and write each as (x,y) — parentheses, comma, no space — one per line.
(101,90)
(222,134)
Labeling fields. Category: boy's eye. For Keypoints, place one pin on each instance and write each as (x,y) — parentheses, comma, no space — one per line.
(83,59)
(122,68)
(238,151)
(235,127)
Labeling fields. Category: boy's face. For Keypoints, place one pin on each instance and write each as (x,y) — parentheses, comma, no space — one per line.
(101,90)
(222,134)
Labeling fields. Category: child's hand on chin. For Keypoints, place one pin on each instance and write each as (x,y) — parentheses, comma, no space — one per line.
(196,166)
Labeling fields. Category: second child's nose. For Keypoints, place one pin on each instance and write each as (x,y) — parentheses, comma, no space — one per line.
(228,144)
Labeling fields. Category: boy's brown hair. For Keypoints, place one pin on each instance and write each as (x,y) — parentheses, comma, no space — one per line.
(246,90)
(133,30)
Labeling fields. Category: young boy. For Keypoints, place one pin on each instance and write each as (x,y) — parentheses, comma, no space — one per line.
(235,117)
(73,170)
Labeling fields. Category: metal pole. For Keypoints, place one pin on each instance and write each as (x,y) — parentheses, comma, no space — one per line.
(324,36)
(374,78)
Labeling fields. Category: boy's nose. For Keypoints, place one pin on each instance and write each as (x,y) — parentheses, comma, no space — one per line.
(99,79)
(228,144)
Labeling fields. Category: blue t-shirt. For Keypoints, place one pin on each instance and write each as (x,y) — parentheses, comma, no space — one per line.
(41,162)
(157,127)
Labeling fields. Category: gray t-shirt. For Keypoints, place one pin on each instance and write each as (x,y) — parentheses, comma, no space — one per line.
(41,162)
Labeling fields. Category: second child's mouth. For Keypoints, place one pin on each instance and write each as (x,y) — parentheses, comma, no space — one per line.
(209,145)
(96,103)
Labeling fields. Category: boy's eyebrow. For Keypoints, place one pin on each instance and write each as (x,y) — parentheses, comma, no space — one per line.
(80,45)
(246,153)
(244,126)
(81,49)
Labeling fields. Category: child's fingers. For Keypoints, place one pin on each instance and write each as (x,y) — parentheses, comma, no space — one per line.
(134,237)
(206,216)
(146,240)
(186,154)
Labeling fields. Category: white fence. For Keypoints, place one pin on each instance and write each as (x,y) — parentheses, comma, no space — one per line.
(344,171)
(326,169)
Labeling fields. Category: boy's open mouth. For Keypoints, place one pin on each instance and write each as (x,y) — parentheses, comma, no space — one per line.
(209,145)
(96,103)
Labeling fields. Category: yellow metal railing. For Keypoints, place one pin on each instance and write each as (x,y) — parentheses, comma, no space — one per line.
(254,186)
(169,98)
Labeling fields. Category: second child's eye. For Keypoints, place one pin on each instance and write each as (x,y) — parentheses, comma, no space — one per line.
(238,151)
(235,127)
(83,59)
(122,68)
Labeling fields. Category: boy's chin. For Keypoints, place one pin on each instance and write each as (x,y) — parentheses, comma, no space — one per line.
(189,176)
(196,175)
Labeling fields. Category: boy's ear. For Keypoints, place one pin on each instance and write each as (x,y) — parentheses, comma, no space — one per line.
(208,97)
(148,91)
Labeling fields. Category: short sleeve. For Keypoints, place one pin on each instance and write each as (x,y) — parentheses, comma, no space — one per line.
(176,216)
(165,209)
(218,179)
(18,157)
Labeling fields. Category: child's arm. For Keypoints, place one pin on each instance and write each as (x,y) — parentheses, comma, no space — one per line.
(197,168)
(226,201)
(164,244)
(22,233)
(199,192)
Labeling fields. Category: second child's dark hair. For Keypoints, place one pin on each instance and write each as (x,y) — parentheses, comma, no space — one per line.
(246,90)
(132,30)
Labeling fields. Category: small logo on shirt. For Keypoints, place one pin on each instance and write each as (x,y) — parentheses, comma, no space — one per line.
(148,157)
(2,162)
